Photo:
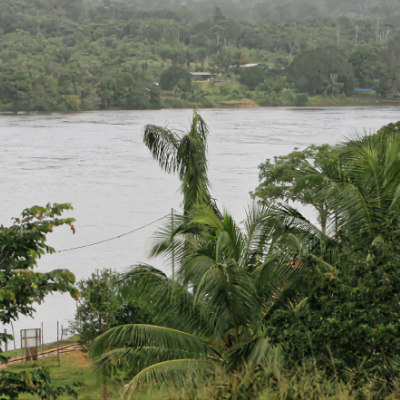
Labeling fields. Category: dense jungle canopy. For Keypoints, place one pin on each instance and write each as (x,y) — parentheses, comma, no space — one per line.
(79,55)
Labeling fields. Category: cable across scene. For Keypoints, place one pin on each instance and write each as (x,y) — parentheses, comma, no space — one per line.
(116,237)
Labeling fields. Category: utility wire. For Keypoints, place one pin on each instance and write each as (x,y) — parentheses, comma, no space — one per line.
(116,237)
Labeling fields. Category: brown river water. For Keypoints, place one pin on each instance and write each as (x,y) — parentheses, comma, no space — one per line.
(97,161)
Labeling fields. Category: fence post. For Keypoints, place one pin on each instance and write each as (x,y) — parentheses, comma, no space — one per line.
(173,249)
(12,326)
(42,343)
(6,343)
(58,348)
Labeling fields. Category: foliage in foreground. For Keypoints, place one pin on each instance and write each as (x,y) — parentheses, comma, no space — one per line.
(272,381)
(20,287)
(319,299)
(36,382)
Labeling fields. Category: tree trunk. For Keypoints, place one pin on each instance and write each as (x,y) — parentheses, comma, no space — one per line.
(105,392)
(105,326)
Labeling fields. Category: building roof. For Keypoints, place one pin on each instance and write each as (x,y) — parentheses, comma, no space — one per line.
(248,65)
(200,74)
(365,90)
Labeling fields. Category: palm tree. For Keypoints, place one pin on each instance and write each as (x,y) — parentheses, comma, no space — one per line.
(333,84)
(215,314)
(221,323)
(363,184)
(184,155)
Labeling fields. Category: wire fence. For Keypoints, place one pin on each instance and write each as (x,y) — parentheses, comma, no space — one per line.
(69,348)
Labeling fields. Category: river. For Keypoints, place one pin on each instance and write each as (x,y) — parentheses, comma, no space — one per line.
(97,161)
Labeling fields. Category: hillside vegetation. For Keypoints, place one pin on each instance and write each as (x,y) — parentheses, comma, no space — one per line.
(74,55)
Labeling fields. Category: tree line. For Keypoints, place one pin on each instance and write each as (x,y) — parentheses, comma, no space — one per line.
(59,55)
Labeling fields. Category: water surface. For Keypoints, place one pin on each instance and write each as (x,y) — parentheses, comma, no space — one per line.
(97,161)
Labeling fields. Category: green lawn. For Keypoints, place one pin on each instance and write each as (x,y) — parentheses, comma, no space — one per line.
(74,368)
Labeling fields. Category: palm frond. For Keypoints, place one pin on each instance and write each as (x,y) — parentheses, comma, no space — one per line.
(256,236)
(196,266)
(173,373)
(193,172)
(149,337)
(230,293)
(252,352)
(230,241)
(170,238)
(172,304)
(136,359)
(204,215)
(163,144)
(199,129)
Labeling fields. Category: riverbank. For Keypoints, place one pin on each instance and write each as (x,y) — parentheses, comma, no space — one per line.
(318,101)
(224,95)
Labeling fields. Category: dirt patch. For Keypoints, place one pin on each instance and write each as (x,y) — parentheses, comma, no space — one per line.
(242,103)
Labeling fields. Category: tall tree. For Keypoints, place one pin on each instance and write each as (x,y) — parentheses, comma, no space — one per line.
(184,155)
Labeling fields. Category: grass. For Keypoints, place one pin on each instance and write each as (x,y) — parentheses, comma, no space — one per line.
(74,367)
(272,382)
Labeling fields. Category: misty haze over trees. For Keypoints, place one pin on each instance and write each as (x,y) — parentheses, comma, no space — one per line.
(84,55)
(281,11)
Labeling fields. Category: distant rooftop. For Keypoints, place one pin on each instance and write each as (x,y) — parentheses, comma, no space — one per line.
(200,74)
(365,90)
(249,65)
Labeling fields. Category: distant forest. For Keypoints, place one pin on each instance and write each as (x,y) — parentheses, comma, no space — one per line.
(84,55)
(279,10)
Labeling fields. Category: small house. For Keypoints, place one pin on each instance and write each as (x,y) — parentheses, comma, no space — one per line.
(203,76)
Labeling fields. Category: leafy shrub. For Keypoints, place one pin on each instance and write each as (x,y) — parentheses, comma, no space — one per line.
(301,99)
(350,320)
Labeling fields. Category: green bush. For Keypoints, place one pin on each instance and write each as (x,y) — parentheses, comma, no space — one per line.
(350,320)
(175,76)
(301,99)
